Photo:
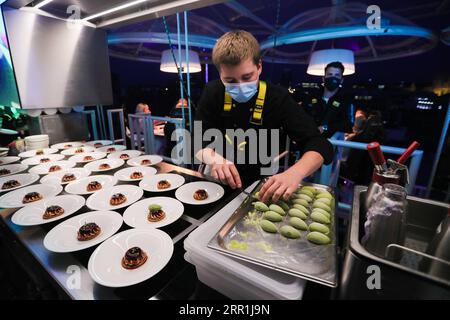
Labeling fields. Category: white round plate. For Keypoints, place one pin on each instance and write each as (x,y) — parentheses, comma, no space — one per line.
(25,179)
(8,160)
(32,153)
(33,161)
(124,174)
(136,215)
(43,168)
(67,145)
(117,147)
(14,198)
(105,264)
(150,183)
(186,193)
(130,153)
(65,110)
(73,151)
(78,109)
(13,168)
(113,163)
(63,237)
(100,199)
(55,177)
(79,158)
(33,112)
(103,142)
(79,186)
(4,151)
(50,111)
(32,215)
(136,162)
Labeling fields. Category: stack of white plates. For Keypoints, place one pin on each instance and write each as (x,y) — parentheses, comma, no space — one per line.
(3,152)
(40,141)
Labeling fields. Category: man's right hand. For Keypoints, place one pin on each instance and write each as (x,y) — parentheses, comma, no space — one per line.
(227,173)
(221,168)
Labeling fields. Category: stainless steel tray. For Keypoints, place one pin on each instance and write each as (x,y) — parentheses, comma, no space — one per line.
(298,257)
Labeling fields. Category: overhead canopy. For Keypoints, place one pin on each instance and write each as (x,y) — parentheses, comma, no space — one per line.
(288,30)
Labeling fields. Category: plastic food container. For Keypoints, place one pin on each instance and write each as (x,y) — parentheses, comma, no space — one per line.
(233,278)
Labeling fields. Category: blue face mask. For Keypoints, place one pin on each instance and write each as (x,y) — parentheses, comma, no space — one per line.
(242,92)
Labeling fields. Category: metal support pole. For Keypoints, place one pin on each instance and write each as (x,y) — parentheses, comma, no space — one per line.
(149,135)
(91,113)
(180,61)
(188,76)
(439,150)
(325,174)
(413,170)
(287,148)
(101,119)
(134,142)
(111,126)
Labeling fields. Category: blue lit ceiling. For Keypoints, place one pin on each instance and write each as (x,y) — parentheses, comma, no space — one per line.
(290,30)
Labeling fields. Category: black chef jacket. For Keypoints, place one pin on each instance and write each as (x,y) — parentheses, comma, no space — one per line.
(336,114)
(280,112)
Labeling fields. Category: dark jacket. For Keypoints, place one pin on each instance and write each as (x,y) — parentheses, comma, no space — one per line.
(336,114)
(358,166)
(280,112)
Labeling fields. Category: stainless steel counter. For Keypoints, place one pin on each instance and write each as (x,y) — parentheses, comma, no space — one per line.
(69,270)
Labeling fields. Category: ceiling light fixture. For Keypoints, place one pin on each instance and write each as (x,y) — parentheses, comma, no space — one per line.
(319,60)
(115,9)
(42,3)
(168,65)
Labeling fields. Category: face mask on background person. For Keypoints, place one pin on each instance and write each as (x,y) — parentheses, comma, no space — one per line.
(332,83)
(359,123)
(242,92)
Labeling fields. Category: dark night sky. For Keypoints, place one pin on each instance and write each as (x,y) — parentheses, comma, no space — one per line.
(426,67)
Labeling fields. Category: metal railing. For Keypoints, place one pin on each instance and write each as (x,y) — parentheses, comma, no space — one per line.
(101,119)
(329,174)
(122,139)
(91,114)
(143,135)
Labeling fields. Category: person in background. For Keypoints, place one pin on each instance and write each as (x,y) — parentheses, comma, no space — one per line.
(358,166)
(359,125)
(180,107)
(181,103)
(142,108)
(331,111)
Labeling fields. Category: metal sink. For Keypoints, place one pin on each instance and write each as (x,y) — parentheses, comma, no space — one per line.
(401,279)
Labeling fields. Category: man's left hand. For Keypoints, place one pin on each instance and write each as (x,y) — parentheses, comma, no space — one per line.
(281,185)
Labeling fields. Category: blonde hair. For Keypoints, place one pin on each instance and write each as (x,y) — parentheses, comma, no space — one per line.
(234,47)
